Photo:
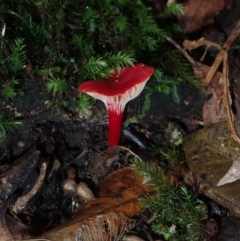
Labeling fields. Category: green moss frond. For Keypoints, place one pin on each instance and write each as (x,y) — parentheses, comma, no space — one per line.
(81,44)
(121,23)
(57,85)
(7,125)
(120,59)
(172,10)
(84,102)
(102,67)
(17,57)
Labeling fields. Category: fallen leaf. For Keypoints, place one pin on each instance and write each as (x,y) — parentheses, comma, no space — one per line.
(104,162)
(124,184)
(213,108)
(106,217)
(200,13)
(10,228)
(210,153)
(200,186)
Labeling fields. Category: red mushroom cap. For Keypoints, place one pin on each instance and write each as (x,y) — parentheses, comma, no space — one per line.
(119,82)
(121,87)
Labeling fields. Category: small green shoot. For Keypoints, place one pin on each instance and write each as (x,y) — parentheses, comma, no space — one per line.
(84,102)
(7,125)
(8,92)
(17,59)
(57,85)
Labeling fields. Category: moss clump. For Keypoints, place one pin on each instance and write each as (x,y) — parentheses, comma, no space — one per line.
(178,215)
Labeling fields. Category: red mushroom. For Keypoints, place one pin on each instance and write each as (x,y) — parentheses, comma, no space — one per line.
(121,87)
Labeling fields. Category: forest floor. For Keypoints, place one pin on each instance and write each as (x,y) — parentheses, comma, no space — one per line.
(73,145)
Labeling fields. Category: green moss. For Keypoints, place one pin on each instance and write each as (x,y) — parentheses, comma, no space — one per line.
(6,125)
(178,215)
(76,40)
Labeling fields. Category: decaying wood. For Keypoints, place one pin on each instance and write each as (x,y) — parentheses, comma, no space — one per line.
(23,200)
(15,178)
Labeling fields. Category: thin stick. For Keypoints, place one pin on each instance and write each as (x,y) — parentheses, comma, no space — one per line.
(221,57)
(191,60)
(218,60)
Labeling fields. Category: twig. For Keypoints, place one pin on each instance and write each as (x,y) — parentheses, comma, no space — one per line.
(147,234)
(218,60)
(221,57)
(84,151)
(228,100)
(183,51)
(196,65)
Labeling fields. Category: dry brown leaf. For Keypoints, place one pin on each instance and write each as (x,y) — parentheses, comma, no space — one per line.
(200,13)
(210,153)
(117,204)
(213,109)
(92,217)
(124,184)
(202,187)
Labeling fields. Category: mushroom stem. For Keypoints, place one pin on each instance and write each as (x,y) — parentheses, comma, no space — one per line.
(114,127)
(115,92)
